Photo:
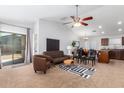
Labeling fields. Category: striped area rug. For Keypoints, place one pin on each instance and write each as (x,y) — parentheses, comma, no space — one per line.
(79,70)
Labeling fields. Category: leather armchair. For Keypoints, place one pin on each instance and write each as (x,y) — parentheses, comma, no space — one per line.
(41,63)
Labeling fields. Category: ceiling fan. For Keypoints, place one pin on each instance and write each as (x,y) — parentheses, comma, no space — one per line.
(79,21)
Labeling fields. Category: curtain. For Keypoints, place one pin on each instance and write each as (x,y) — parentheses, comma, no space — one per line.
(28,49)
(0,59)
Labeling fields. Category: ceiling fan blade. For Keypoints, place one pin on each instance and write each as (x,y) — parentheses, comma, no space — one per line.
(82,23)
(73,17)
(87,18)
(67,23)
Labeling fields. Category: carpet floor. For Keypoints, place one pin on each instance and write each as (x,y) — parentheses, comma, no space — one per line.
(106,76)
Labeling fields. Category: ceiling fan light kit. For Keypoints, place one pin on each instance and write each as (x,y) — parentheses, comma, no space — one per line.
(77,24)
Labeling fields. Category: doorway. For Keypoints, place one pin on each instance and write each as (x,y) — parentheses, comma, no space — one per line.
(12,46)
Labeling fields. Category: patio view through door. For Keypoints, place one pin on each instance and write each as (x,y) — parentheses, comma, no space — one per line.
(12,47)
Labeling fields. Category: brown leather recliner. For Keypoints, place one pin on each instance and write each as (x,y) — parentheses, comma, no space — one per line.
(41,63)
(56,56)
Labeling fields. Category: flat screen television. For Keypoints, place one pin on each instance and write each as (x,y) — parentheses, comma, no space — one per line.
(52,44)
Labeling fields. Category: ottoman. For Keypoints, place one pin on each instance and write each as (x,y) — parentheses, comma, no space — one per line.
(68,62)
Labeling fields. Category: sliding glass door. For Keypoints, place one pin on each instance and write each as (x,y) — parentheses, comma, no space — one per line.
(6,48)
(12,47)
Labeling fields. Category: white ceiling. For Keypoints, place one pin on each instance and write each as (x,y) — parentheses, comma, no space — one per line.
(31,13)
(107,16)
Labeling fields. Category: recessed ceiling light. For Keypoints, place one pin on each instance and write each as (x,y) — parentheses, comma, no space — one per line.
(100,27)
(102,32)
(119,22)
(119,29)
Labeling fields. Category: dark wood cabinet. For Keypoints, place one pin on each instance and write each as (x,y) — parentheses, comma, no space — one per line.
(122,40)
(112,54)
(104,41)
(122,54)
(117,54)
